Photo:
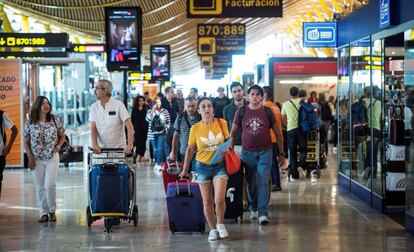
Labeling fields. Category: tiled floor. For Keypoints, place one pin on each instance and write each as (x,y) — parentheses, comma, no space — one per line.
(309,215)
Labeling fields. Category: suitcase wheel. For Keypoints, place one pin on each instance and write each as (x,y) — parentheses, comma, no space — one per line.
(135,215)
(108,225)
(202,227)
(88,216)
(172,228)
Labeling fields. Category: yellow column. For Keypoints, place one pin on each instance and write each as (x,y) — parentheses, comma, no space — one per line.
(6,23)
(25,24)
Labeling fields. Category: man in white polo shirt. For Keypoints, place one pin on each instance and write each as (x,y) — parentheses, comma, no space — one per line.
(108,118)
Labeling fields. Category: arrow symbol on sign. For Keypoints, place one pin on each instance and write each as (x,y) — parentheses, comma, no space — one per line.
(2,41)
(75,49)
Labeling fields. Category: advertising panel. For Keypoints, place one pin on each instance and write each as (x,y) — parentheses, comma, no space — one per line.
(234,8)
(11,103)
(123,38)
(160,62)
(221,39)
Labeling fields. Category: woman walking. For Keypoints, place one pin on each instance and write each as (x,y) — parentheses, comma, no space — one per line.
(139,111)
(43,137)
(205,137)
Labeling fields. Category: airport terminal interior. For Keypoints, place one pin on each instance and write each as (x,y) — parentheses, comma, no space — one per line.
(347,64)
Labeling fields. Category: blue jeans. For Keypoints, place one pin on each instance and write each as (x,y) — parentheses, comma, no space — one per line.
(257,166)
(205,173)
(160,148)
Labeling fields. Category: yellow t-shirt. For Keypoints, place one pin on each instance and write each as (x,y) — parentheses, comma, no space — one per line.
(207,138)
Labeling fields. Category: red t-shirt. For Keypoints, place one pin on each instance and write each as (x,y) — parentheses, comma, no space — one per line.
(255,129)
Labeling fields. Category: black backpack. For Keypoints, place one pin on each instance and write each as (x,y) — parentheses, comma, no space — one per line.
(268,111)
(157,127)
(326,113)
(2,132)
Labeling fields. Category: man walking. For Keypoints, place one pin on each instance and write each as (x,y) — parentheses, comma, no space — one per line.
(255,121)
(169,102)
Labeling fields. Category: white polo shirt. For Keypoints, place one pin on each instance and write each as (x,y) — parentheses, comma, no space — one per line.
(110,123)
(7,123)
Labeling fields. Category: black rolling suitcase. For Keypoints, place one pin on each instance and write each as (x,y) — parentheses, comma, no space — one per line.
(234,197)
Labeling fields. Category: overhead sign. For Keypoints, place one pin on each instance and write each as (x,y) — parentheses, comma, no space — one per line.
(11,101)
(319,34)
(234,8)
(139,76)
(217,60)
(305,68)
(86,48)
(34,40)
(221,39)
(48,54)
(384,13)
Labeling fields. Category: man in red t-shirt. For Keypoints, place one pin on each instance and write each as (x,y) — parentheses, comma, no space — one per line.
(255,121)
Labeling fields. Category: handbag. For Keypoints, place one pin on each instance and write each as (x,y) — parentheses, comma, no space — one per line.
(65,149)
(232,162)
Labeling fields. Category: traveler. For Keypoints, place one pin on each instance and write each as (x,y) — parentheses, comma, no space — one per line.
(180,101)
(267,102)
(229,111)
(44,135)
(220,102)
(313,99)
(159,123)
(194,93)
(138,114)
(325,114)
(109,118)
(182,126)
(255,121)
(169,102)
(290,117)
(5,146)
(205,137)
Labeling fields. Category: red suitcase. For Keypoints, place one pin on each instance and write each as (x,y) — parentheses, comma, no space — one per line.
(170,171)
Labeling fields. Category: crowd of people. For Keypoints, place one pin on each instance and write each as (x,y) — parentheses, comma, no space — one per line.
(190,130)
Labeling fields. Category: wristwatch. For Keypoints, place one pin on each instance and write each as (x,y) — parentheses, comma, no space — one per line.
(281,154)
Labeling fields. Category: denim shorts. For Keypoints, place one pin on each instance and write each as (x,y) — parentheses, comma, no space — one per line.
(204,173)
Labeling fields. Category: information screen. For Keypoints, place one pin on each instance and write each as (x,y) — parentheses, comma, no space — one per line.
(123,38)
(160,62)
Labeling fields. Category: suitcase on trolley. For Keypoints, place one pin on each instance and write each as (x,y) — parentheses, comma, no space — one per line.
(234,197)
(170,171)
(109,189)
(185,207)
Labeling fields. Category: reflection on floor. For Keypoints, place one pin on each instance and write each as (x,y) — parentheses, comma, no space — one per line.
(308,215)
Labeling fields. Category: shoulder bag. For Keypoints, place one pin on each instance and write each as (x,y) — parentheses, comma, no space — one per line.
(65,149)
(231,160)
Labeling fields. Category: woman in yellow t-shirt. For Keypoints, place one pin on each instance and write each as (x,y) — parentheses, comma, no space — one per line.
(205,137)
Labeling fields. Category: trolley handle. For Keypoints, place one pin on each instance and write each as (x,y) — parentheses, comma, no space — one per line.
(109,150)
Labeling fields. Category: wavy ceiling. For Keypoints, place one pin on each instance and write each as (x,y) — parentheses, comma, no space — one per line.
(165,22)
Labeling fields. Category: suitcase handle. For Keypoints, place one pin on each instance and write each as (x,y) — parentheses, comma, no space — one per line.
(110,166)
(172,170)
(188,186)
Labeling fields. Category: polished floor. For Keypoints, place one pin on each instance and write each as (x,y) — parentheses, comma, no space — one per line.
(308,215)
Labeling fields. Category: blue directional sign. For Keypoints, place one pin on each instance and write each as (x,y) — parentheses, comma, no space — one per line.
(319,34)
(384,13)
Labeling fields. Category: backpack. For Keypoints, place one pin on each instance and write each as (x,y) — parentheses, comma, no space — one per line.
(326,113)
(307,117)
(2,131)
(269,115)
(157,127)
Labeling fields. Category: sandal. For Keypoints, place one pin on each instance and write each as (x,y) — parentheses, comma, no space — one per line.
(44,218)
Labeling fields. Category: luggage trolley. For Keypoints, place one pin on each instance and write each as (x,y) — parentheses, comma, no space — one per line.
(316,155)
(112,188)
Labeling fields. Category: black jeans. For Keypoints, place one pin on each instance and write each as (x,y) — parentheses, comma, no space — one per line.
(2,165)
(297,137)
(275,175)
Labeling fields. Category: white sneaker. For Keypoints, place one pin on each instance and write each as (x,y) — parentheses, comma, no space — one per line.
(159,167)
(254,215)
(263,220)
(292,179)
(334,150)
(302,171)
(213,235)
(222,231)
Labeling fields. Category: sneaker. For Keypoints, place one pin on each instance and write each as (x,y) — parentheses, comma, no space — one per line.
(263,220)
(292,179)
(222,231)
(334,150)
(254,215)
(52,217)
(213,235)
(276,188)
(302,171)
(44,218)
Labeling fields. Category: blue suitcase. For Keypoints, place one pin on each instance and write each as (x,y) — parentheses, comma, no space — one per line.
(109,194)
(185,207)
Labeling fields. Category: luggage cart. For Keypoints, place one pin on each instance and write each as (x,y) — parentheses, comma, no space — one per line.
(112,188)
(314,153)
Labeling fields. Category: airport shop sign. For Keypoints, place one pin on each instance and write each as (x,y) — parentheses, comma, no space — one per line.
(384,13)
(34,40)
(217,60)
(319,34)
(234,8)
(221,39)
